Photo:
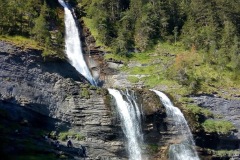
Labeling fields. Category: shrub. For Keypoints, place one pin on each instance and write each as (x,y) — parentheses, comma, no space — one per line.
(63,136)
(198,110)
(152,148)
(132,79)
(85,93)
(220,127)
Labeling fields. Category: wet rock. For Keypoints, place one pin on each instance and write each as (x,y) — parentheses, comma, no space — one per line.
(226,109)
(223,109)
(54,89)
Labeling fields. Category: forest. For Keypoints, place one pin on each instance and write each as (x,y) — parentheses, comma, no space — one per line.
(38,20)
(137,25)
(129,27)
(208,30)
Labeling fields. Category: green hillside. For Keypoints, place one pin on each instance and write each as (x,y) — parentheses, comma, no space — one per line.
(203,38)
(39,21)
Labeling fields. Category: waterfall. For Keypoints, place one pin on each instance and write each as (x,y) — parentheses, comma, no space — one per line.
(185,150)
(73,44)
(130,116)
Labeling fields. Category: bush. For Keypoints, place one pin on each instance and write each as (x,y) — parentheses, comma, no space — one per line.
(85,93)
(198,110)
(63,136)
(220,127)
(132,79)
(152,148)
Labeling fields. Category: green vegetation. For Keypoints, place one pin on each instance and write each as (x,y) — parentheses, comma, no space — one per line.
(223,153)
(21,41)
(32,24)
(220,127)
(200,119)
(196,115)
(193,44)
(152,148)
(199,111)
(85,93)
(133,79)
(63,136)
(117,57)
(136,24)
(89,22)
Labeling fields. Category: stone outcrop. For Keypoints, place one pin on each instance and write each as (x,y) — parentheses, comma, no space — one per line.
(63,101)
(52,95)
(56,90)
(223,109)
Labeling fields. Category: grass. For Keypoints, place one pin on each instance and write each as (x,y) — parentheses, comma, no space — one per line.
(164,66)
(28,43)
(154,61)
(21,41)
(141,57)
(133,79)
(117,57)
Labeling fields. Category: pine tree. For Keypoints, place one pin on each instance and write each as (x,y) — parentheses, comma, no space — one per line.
(40,30)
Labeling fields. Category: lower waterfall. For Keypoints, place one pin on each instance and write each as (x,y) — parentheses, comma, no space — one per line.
(131,119)
(185,150)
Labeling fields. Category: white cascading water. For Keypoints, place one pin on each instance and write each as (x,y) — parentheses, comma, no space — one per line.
(73,44)
(185,150)
(131,119)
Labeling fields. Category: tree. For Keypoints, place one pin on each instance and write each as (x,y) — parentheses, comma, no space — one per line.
(40,30)
(4,16)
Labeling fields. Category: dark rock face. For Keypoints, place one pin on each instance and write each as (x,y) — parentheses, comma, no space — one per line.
(56,90)
(27,80)
(53,94)
(228,110)
(62,100)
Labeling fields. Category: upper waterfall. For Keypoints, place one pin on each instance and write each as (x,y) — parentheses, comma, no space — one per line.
(73,45)
(131,118)
(185,150)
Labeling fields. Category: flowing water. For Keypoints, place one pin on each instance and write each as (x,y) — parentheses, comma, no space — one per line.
(131,121)
(73,44)
(185,150)
(129,111)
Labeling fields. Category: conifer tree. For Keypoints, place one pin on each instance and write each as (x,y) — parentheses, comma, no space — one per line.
(40,30)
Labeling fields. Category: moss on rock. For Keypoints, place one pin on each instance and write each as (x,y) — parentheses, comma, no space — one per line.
(220,127)
(150,101)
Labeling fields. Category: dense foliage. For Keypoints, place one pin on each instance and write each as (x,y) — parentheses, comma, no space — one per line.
(220,127)
(129,24)
(36,19)
(209,29)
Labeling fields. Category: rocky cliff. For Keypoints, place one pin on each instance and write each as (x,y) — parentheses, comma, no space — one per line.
(224,109)
(51,95)
(56,90)
(48,96)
